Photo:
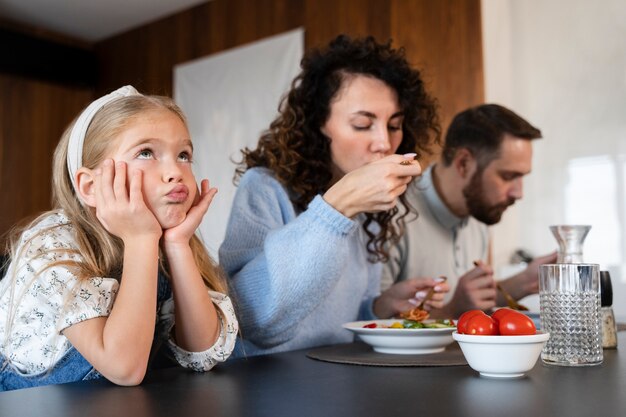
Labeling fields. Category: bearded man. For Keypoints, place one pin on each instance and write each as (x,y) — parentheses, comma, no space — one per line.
(487,152)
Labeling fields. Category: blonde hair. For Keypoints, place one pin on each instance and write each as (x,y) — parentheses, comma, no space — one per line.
(102,252)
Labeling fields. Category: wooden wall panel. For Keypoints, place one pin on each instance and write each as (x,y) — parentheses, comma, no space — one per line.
(443,38)
(325,19)
(33,116)
(145,57)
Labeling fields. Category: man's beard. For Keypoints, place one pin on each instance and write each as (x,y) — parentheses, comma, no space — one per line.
(478,207)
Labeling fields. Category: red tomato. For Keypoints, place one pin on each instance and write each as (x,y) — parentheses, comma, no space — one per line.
(516,324)
(500,313)
(481,325)
(461,324)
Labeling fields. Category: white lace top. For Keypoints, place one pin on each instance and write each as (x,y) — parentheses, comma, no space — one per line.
(36,305)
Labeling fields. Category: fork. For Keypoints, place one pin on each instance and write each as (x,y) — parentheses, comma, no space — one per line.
(510,301)
(429,294)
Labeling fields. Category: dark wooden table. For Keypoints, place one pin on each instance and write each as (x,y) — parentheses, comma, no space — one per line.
(290,384)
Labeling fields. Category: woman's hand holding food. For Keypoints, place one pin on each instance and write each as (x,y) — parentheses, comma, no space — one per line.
(373,187)
(408,294)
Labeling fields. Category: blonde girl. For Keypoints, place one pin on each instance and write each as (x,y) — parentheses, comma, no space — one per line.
(116,265)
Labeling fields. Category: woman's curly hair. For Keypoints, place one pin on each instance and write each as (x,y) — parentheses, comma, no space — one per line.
(298,153)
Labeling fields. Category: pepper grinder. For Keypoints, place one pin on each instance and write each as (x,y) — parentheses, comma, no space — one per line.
(609,329)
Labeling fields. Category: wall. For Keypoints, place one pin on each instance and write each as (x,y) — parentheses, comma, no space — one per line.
(45,80)
(562,65)
(443,37)
(33,115)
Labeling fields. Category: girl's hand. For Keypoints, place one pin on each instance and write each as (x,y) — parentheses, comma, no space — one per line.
(121,209)
(182,233)
(374,187)
(408,294)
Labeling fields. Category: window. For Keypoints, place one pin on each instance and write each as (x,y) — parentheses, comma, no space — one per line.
(595,195)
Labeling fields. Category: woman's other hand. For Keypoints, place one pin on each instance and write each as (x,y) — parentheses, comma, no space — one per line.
(408,294)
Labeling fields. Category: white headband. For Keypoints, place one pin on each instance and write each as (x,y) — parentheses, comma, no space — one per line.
(77,136)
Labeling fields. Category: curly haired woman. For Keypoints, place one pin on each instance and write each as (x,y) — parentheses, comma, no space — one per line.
(320,199)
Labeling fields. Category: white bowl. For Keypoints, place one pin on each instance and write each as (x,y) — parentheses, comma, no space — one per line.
(402,341)
(501,356)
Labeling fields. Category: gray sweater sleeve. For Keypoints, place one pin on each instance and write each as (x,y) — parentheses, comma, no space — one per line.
(280,264)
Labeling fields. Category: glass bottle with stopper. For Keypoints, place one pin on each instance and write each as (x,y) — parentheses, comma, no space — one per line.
(570,239)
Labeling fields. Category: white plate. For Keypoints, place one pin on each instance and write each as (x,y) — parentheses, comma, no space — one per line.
(402,341)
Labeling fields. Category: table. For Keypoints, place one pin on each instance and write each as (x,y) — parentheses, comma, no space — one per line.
(290,384)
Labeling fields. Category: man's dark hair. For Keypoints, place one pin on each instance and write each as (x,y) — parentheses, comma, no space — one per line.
(481,130)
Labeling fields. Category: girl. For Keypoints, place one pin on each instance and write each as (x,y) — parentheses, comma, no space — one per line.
(312,215)
(81,292)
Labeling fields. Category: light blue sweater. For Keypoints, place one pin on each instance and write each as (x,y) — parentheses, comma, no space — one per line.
(295,277)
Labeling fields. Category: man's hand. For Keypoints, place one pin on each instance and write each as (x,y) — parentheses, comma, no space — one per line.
(476,289)
(527,282)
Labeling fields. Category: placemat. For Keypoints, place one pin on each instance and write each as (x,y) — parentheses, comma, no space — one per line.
(362,354)
(621,327)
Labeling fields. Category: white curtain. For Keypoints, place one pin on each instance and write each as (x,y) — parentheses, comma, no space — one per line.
(229,99)
(562,65)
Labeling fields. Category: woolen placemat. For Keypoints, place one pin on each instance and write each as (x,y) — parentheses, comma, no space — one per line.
(362,354)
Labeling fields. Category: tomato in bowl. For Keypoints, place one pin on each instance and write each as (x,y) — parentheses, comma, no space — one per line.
(503,345)
(504,321)
(501,356)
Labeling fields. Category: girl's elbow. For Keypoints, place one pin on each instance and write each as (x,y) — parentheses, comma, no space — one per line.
(129,375)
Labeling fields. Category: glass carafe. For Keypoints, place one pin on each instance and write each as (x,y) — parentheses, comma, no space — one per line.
(570,239)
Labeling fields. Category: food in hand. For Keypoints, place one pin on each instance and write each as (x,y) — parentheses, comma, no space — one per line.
(504,321)
(418,313)
(415,314)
